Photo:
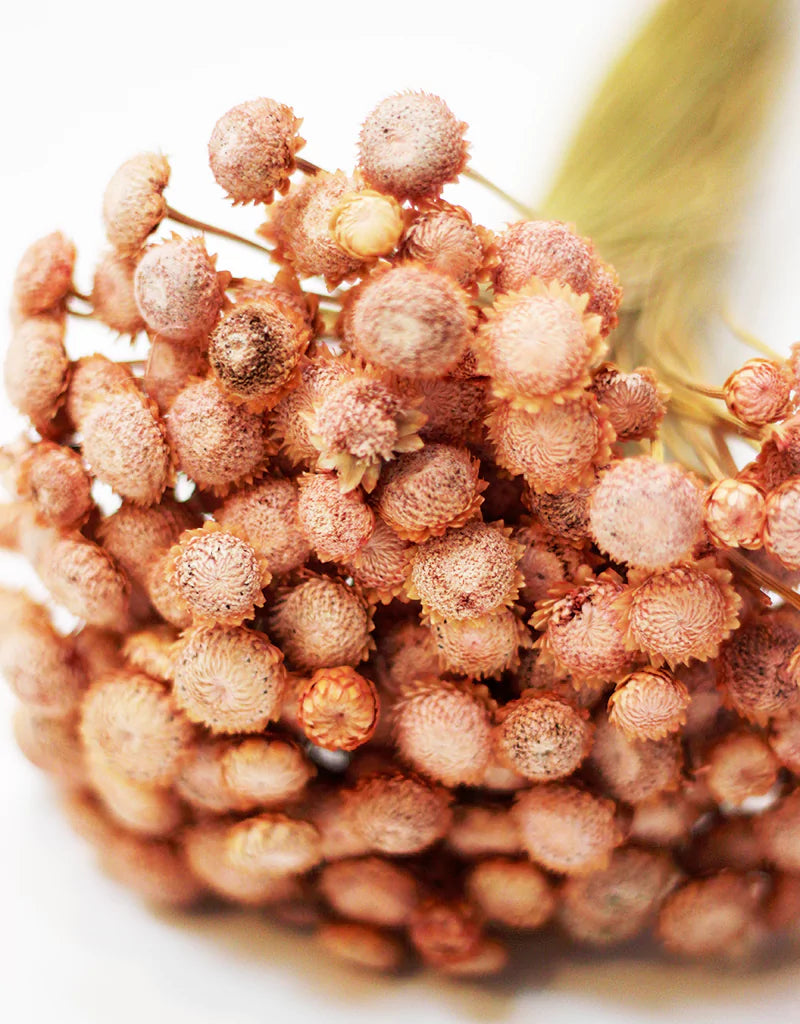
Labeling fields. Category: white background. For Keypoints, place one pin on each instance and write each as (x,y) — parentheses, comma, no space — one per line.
(84,86)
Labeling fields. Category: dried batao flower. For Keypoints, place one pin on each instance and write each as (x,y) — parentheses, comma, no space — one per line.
(54,479)
(538,344)
(730,843)
(649,704)
(565,829)
(37,369)
(443,237)
(409,319)
(42,668)
(680,613)
(200,781)
(734,514)
(218,444)
(44,275)
(130,722)
(147,810)
(266,516)
(445,930)
(178,291)
(229,678)
(664,820)
(511,893)
(536,675)
(98,649)
(411,145)
(85,579)
(134,203)
(757,673)
(781,534)
(635,403)
(380,567)
(546,561)
(406,652)
(290,420)
(170,367)
(338,709)
(134,536)
(784,739)
(367,224)
(772,466)
(482,647)
(454,408)
(154,869)
(425,493)
(327,808)
(370,889)
(52,744)
(488,958)
(465,574)
(321,623)
(112,298)
(92,376)
(738,766)
(630,770)
(337,524)
(617,903)
(254,352)
(283,288)
(480,831)
(555,449)
(716,916)
(542,737)
(443,730)
(565,514)
(272,844)
(778,832)
(252,150)
(151,650)
(125,445)
(397,814)
(646,513)
(759,392)
(265,771)
(361,946)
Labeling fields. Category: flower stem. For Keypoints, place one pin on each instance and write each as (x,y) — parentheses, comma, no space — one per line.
(191,222)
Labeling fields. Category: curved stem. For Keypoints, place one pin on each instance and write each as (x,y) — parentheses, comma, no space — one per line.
(306,166)
(192,222)
(749,339)
(479,179)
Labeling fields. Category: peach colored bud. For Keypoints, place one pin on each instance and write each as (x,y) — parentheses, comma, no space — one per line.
(564,514)
(338,709)
(150,651)
(53,477)
(370,889)
(758,392)
(361,946)
(265,515)
(488,958)
(633,771)
(444,931)
(482,647)
(337,524)
(292,417)
(367,224)
(511,893)
(252,149)
(646,513)
(546,561)
(265,771)
(649,704)
(541,676)
(44,275)
(635,402)
(380,567)
(85,580)
(170,367)
(714,916)
(229,678)
(778,832)
(217,443)
(134,536)
(542,737)
(92,376)
(36,369)
(565,829)
(409,319)
(443,237)
(468,572)
(740,765)
(200,781)
(784,739)
(134,204)
(781,533)
(144,809)
(178,290)
(406,652)
(52,744)
(112,298)
(665,820)
(483,831)
(273,844)
(733,513)
(411,145)
(398,814)
(154,869)
(455,409)
(756,669)
(321,623)
(98,649)
(129,721)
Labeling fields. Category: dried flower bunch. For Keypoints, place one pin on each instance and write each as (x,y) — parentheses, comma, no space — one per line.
(400,626)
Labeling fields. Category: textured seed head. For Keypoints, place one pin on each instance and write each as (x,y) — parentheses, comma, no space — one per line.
(154,869)
(142,808)
(380,567)
(511,893)
(134,204)
(265,515)
(546,561)
(321,623)
(52,744)
(130,722)
(411,320)
(292,417)
(759,391)
(411,145)
(112,298)
(733,513)
(455,409)
(781,532)
(564,514)
(565,829)
(284,288)
(714,916)
(338,709)
(482,647)
(370,889)
(646,513)
(468,572)
(635,402)
(42,668)
(483,831)
(633,771)
(337,524)
(178,290)
(252,148)
(44,275)
(443,237)
(546,249)
(254,352)
(740,765)
(398,814)
(649,704)
(273,844)
(778,832)
(150,651)
(361,946)
(444,931)
(265,771)
(36,368)
(135,536)
(53,477)
(92,376)
(427,492)
(757,670)
(406,653)
(367,224)
(542,737)
(85,580)
(218,444)
(229,678)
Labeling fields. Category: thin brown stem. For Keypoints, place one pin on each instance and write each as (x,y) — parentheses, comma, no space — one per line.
(704,389)
(192,222)
(762,577)
(479,179)
(306,166)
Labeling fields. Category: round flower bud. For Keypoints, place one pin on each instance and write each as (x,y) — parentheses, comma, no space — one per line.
(273,844)
(542,737)
(370,889)
(84,579)
(228,678)
(150,651)
(564,514)
(633,771)
(321,623)
(361,946)
(759,392)
(635,403)
(649,704)
(144,809)
(200,781)
(714,916)
(406,653)
(565,829)
(778,832)
(129,722)
(409,319)
(734,513)
(135,536)
(666,820)
(444,931)
(546,562)
(265,515)
(411,145)
(455,409)
(153,869)
(170,367)
(483,831)
(380,567)
(338,709)
(465,574)
(252,149)
(511,893)
(337,524)
(781,531)
(367,224)
(36,369)
(264,771)
(93,376)
(443,237)
(784,739)
(398,814)
(53,477)
(134,204)
(44,275)
(112,298)
(740,765)
(52,744)
(482,647)
(178,290)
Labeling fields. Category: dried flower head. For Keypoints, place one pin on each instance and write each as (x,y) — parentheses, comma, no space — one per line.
(738,766)
(92,376)
(482,647)
(134,203)
(632,770)
(147,810)
(52,476)
(398,814)
(714,916)
(338,709)
(367,224)
(36,369)
(546,561)
(406,652)
(564,514)
(112,298)
(380,567)
(44,275)
(153,868)
(52,744)
(635,402)
(200,781)
(443,237)
(649,704)
(135,536)
(337,524)
(252,149)
(42,668)
(229,678)
(454,408)
(170,367)
(759,392)
(150,650)
(265,515)
(370,889)
(445,931)
(273,844)
(511,893)
(85,580)
(778,832)
(411,145)
(479,831)
(292,417)
(780,532)
(756,669)
(362,946)
(264,771)
(734,514)
(542,737)
(784,739)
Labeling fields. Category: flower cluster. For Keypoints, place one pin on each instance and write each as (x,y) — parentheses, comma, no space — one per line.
(399,625)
